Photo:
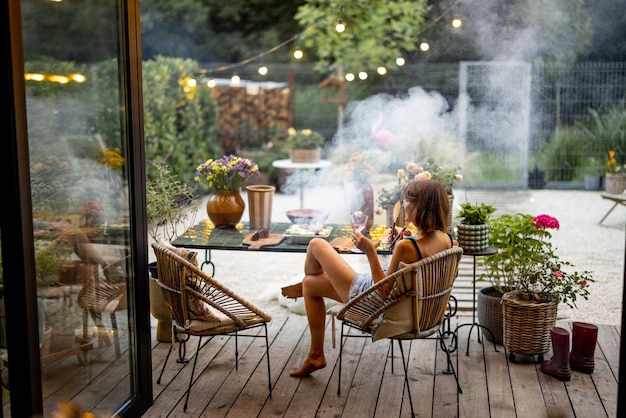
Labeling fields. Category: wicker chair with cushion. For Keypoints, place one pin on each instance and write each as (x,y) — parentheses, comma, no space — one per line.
(415,306)
(203,307)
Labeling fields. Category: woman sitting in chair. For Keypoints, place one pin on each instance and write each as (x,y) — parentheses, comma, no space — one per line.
(327,274)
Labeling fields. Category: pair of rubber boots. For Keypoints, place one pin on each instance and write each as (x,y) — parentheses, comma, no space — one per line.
(580,359)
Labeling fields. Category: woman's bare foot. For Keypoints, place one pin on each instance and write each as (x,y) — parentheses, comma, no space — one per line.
(293,291)
(309,366)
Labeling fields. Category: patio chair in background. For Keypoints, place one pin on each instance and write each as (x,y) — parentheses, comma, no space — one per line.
(617,199)
(203,307)
(415,307)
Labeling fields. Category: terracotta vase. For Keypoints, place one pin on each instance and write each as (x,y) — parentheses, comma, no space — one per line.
(225,208)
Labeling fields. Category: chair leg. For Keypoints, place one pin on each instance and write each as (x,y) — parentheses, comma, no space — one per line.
(405,364)
(116,335)
(341,341)
(167,356)
(450,366)
(193,369)
(608,213)
(267,354)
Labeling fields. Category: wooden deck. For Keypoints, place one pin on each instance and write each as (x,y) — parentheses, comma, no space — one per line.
(492,386)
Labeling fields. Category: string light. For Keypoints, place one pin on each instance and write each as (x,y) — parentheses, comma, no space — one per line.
(298,53)
(381,70)
(211,83)
(363,75)
(263,70)
(235,79)
(400,61)
(457,22)
(424,46)
(340,27)
(349,76)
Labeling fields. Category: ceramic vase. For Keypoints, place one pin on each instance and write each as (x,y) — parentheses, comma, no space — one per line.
(225,208)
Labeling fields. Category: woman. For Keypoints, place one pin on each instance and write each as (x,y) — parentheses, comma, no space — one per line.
(327,274)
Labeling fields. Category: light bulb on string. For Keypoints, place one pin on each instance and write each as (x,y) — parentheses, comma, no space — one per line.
(400,61)
(298,53)
(235,79)
(424,46)
(349,76)
(457,22)
(211,83)
(381,70)
(262,69)
(363,75)
(340,27)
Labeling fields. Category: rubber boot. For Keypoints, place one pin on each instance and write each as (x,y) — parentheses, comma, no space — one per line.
(584,338)
(559,365)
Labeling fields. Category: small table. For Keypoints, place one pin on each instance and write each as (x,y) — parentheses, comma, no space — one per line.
(486,252)
(288,164)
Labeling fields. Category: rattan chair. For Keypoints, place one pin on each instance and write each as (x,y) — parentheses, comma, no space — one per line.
(414,308)
(203,307)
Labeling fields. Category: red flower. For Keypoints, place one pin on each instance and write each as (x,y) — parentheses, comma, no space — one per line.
(584,282)
(545,222)
(558,273)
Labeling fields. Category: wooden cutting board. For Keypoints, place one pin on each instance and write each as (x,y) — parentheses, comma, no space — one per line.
(272,239)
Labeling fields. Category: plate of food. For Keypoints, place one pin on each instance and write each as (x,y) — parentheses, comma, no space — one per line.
(303,233)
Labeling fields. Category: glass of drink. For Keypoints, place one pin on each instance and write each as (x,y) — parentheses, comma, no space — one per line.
(359,220)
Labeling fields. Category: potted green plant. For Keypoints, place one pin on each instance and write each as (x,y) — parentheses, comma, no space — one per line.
(304,145)
(527,270)
(473,231)
(170,204)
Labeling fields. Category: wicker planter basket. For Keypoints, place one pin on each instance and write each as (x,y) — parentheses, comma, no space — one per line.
(526,324)
(489,312)
(305,155)
(614,183)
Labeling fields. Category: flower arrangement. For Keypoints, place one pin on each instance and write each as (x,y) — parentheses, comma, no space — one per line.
(444,174)
(526,260)
(359,168)
(90,214)
(304,139)
(611,164)
(226,173)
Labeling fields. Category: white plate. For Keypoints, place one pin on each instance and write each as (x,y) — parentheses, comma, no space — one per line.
(301,234)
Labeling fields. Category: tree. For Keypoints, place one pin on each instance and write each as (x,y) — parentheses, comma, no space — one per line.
(377,31)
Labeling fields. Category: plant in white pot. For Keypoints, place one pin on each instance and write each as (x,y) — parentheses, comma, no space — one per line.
(170,206)
(473,231)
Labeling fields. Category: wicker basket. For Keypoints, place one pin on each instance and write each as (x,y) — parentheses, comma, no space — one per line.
(305,155)
(615,183)
(489,312)
(526,324)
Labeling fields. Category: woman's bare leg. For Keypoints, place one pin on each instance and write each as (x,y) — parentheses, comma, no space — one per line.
(327,275)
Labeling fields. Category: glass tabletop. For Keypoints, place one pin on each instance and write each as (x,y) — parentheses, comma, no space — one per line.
(203,235)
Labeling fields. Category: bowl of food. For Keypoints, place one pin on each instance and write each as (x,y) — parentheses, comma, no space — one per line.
(307,216)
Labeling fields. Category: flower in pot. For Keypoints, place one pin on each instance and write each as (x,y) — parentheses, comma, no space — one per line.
(526,271)
(615,177)
(225,176)
(473,231)
(304,145)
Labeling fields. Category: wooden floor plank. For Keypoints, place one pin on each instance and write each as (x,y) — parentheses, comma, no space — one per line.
(475,400)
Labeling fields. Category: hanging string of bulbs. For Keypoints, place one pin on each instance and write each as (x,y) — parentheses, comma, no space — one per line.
(298,52)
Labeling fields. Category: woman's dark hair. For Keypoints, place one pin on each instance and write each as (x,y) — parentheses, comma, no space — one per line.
(431,207)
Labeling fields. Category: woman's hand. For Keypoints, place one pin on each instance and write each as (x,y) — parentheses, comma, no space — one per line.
(363,243)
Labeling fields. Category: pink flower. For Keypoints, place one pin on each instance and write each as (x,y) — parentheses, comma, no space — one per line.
(412,168)
(401,174)
(423,176)
(558,274)
(545,222)
(584,282)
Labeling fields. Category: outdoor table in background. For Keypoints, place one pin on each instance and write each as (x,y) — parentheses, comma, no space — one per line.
(288,164)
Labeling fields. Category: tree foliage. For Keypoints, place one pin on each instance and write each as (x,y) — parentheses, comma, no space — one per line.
(377,31)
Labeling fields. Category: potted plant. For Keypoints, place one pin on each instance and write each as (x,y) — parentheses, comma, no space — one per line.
(473,231)
(304,145)
(615,177)
(225,176)
(526,271)
(170,204)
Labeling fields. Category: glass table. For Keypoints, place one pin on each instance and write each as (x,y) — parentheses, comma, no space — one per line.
(204,236)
